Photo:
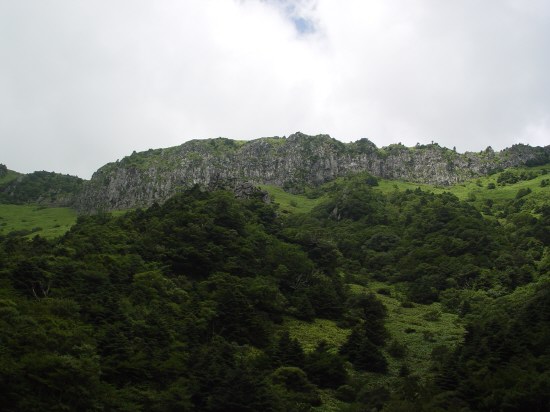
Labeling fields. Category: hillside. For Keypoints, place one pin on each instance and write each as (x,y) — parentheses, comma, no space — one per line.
(42,188)
(361,293)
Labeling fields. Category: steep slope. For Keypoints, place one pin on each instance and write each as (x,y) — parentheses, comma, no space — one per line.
(153,176)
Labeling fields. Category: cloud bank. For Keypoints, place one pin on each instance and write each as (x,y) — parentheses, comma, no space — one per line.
(86,82)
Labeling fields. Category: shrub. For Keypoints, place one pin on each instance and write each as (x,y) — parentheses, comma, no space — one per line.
(523,192)
(397,349)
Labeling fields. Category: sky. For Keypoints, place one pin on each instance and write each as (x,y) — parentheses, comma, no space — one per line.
(84,82)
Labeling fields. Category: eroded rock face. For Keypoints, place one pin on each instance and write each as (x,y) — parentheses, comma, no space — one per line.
(143,178)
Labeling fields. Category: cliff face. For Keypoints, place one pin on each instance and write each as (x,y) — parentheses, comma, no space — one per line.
(143,178)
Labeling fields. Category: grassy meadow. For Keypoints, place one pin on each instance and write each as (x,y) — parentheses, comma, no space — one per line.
(290,203)
(48,222)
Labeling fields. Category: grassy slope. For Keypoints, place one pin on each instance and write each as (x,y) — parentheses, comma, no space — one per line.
(476,190)
(56,221)
(420,329)
(48,222)
(290,203)
(311,333)
(416,327)
(11,175)
(52,221)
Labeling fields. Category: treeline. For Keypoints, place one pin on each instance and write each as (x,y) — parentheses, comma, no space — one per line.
(41,187)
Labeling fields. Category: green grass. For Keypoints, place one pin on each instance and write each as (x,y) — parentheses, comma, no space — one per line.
(476,191)
(411,327)
(420,329)
(388,186)
(290,203)
(48,222)
(121,212)
(309,334)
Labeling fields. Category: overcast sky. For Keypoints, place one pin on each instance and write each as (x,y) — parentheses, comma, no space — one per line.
(83,83)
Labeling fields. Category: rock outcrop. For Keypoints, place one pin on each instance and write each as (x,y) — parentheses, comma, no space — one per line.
(299,160)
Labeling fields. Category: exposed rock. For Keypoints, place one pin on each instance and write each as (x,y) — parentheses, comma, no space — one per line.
(143,178)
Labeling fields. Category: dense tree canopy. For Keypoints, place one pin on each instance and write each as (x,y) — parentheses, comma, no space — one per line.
(184,306)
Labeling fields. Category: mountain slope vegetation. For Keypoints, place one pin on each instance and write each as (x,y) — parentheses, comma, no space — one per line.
(45,188)
(358,294)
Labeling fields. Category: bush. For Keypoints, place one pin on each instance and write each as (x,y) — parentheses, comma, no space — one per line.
(294,386)
(345,393)
(396,349)
(324,368)
(432,315)
(384,291)
(523,192)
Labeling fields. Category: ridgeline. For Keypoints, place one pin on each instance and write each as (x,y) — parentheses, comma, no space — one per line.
(292,163)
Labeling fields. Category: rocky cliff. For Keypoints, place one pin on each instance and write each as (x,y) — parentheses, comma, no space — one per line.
(143,178)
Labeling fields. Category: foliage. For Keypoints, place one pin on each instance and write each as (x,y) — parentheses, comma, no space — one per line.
(211,303)
(162,308)
(511,176)
(44,187)
(503,363)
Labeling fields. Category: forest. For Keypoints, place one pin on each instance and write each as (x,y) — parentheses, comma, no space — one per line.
(210,302)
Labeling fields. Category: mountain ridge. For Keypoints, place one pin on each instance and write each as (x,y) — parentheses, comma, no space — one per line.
(292,162)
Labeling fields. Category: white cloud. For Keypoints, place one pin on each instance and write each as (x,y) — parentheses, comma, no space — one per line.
(83,83)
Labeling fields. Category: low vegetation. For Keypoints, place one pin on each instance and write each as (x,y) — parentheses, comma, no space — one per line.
(31,220)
